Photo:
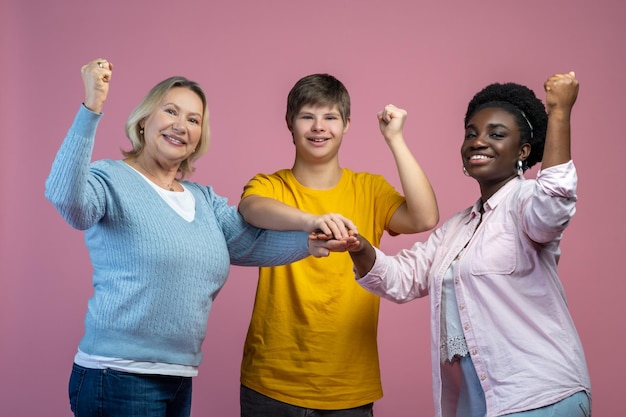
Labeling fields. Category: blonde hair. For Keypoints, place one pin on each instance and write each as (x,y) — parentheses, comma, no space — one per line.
(150,103)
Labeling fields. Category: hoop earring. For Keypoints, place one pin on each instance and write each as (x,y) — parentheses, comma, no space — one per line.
(520,169)
(465,172)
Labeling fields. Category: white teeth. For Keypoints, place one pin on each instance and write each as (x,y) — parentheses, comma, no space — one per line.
(479,157)
(174,139)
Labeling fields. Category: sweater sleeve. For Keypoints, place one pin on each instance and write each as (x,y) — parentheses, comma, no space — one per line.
(76,196)
(251,246)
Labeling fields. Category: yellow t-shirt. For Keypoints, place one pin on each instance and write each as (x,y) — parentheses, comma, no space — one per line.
(312,336)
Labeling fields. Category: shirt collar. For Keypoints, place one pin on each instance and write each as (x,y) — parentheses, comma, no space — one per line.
(495,199)
(499,195)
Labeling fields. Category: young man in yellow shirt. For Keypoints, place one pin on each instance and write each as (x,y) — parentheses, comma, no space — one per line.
(311,344)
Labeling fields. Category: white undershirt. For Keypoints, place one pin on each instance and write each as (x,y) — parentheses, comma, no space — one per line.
(182,203)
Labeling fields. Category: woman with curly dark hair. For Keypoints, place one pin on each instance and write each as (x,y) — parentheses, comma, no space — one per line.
(503,340)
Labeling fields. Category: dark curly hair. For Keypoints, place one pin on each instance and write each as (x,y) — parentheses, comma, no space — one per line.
(521,102)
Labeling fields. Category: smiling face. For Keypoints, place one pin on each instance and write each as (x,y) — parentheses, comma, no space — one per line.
(318,131)
(491,149)
(172,131)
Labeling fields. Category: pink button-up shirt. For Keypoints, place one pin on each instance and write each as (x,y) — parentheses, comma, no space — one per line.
(513,309)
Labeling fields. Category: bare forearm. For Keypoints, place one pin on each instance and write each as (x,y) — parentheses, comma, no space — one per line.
(268,213)
(364,257)
(422,212)
(557,149)
(561,94)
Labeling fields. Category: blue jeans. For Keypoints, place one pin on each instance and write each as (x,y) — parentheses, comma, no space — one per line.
(471,396)
(110,393)
(254,404)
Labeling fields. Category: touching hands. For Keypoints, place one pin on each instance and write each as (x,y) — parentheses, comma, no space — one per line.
(331,232)
(391,121)
(332,225)
(561,91)
(96,77)
(361,250)
(321,244)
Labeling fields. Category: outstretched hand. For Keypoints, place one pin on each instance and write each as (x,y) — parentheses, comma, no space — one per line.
(561,91)
(96,77)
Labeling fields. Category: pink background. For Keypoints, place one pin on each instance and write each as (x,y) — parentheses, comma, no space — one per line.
(427,57)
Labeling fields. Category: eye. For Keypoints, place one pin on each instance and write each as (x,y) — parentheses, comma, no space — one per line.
(470,135)
(194,121)
(170,111)
(332,117)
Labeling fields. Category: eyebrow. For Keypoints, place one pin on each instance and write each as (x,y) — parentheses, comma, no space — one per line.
(489,126)
(178,108)
(330,113)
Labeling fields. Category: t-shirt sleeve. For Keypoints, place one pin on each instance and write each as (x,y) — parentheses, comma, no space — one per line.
(262,185)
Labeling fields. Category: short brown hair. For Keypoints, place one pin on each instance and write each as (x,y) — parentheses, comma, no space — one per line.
(317,90)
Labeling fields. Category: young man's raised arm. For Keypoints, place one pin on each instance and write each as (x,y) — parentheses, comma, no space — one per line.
(420,212)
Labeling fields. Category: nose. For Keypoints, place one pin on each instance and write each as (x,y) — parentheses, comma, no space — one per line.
(318,124)
(179,124)
(479,141)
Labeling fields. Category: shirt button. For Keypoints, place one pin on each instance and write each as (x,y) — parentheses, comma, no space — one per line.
(466,327)
(461,306)
(483,377)
(474,352)
(456,280)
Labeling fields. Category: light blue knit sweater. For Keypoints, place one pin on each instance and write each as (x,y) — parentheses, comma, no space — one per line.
(155,274)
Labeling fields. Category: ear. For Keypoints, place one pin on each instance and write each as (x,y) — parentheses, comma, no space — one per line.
(289,125)
(346,126)
(524,151)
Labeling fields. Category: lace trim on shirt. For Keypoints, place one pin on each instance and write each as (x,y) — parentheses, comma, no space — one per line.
(453,349)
